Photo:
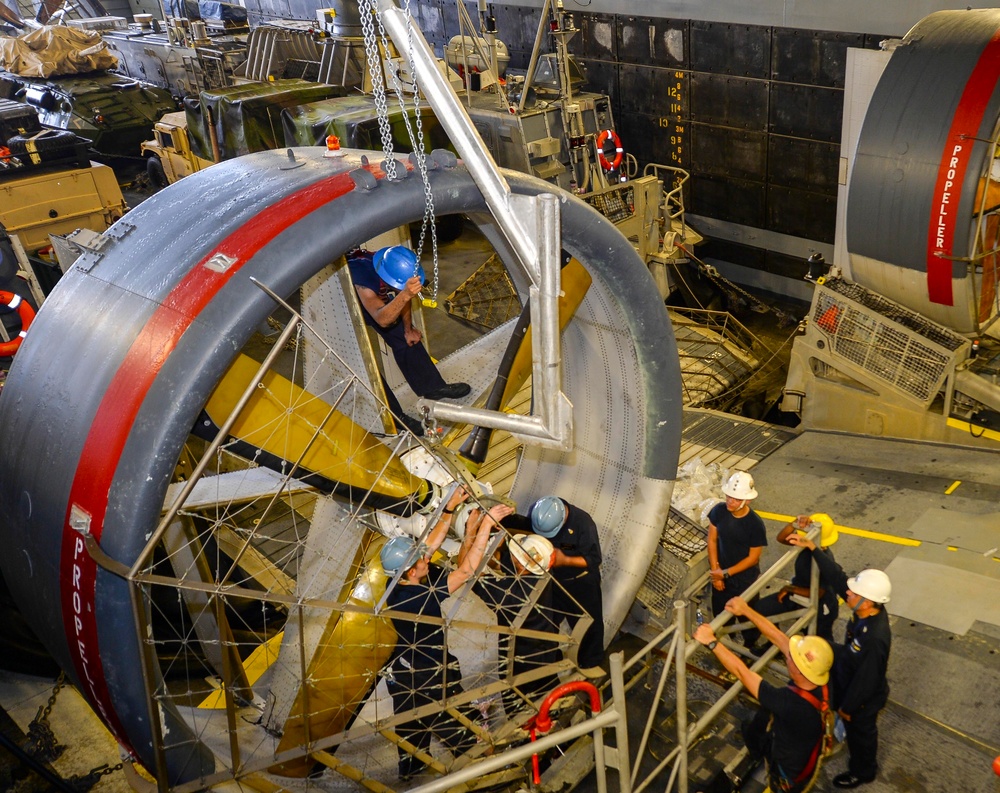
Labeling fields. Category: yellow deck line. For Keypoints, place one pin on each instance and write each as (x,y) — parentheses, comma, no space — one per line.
(975,431)
(869,535)
(953,487)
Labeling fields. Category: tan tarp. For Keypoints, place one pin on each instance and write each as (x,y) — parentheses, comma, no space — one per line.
(55,50)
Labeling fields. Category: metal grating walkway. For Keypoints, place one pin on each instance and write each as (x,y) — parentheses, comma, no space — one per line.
(731,441)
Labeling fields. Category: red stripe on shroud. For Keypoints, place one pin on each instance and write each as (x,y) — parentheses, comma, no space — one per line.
(120,406)
(965,126)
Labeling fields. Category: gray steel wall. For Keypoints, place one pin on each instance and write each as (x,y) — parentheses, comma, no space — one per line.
(865,16)
(746,96)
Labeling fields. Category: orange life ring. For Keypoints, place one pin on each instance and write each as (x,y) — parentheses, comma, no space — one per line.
(619,151)
(25,312)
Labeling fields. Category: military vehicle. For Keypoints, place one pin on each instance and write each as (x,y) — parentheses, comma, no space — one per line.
(197,47)
(223,123)
(168,155)
(115,113)
(47,186)
(355,123)
(182,68)
(47,183)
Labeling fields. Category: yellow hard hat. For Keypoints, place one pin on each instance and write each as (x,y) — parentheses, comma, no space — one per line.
(813,656)
(828,529)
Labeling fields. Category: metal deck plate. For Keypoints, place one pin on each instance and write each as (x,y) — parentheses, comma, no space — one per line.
(945,589)
(943,526)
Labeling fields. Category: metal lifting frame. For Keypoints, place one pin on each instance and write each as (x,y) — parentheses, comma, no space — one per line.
(680,650)
(530,225)
(617,757)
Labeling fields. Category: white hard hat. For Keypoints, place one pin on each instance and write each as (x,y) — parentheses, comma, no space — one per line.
(740,485)
(532,551)
(873,585)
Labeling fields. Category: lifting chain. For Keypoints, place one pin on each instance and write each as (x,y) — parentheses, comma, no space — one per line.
(41,743)
(421,152)
(368,11)
(756,304)
(728,286)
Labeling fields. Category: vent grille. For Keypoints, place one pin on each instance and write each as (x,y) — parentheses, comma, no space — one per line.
(891,343)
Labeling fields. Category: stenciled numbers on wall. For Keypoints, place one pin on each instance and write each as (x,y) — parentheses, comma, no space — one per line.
(673,122)
(752,112)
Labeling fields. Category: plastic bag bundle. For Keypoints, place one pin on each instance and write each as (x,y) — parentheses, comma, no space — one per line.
(698,488)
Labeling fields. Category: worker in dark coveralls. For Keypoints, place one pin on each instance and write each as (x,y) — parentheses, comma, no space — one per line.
(796,594)
(422,670)
(788,730)
(386,283)
(736,537)
(860,688)
(576,567)
(523,561)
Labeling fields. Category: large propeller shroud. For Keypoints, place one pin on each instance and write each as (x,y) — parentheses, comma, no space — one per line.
(135,338)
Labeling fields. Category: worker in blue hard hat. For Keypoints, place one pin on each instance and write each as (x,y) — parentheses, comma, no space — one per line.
(576,567)
(423,671)
(386,282)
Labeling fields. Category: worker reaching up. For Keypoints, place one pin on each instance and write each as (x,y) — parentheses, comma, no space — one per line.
(796,593)
(423,671)
(790,731)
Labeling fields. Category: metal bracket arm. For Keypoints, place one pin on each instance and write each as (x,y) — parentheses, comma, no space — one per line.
(552,424)
(531,227)
(462,132)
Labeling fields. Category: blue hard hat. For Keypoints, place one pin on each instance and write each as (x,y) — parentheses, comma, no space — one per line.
(548,516)
(400,553)
(396,265)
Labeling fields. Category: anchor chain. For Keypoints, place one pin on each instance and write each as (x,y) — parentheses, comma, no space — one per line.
(757,305)
(41,743)
(84,782)
(42,746)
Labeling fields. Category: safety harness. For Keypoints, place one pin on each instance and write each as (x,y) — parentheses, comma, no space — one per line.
(825,742)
